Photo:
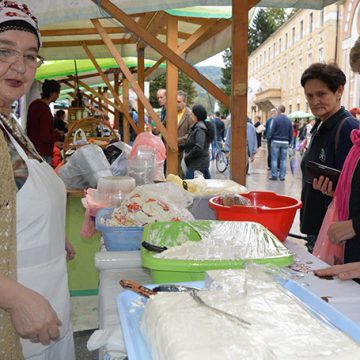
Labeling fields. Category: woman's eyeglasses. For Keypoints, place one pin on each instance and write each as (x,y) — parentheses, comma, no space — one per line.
(11,56)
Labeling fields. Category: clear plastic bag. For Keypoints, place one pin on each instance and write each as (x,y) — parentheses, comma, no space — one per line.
(324,249)
(119,167)
(85,167)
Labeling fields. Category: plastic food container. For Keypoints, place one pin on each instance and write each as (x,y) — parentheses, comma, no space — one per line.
(275,212)
(170,234)
(111,189)
(118,238)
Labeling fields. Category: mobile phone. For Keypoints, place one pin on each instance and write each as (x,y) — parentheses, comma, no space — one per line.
(314,170)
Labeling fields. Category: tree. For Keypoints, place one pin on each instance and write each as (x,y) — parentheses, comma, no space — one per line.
(265,22)
(184,83)
(226,77)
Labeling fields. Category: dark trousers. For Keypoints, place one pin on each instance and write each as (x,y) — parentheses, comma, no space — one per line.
(269,154)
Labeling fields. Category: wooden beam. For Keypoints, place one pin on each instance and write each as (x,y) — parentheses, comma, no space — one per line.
(157,23)
(108,84)
(117,112)
(252,3)
(85,31)
(71,43)
(240,25)
(170,55)
(126,103)
(171,99)
(105,100)
(140,79)
(185,45)
(86,95)
(219,26)
(132,81)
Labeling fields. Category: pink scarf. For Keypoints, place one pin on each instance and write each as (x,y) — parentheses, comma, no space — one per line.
(343,188)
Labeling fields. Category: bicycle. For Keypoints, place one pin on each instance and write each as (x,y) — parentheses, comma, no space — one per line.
(221,160)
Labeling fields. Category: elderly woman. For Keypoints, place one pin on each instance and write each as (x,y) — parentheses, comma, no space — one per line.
(34,296)
(201,134)
(330,139)
(347,230)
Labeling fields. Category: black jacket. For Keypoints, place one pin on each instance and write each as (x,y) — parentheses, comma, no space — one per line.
(322,150)
(197,147)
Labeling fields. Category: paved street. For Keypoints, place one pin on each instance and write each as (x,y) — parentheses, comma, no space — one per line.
(258,179)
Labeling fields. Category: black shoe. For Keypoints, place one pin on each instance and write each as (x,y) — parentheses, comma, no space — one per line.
(272,178)
(282,179)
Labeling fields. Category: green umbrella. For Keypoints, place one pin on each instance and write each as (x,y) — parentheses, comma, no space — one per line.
(299,115)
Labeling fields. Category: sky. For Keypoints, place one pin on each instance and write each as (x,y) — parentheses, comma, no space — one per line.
(216,60)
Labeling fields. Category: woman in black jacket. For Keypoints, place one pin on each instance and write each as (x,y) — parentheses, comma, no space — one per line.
(201,135)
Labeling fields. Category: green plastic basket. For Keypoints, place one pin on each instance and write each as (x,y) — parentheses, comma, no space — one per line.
(173,233)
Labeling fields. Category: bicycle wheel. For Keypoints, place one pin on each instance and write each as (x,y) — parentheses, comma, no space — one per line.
(221,161)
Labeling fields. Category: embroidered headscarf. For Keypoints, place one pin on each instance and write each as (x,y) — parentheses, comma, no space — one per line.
(15,16)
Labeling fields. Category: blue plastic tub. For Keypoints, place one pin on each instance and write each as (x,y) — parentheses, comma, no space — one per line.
(118,238)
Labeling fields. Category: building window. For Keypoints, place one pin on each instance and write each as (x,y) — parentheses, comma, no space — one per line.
(284,77)
(293,36)
(301,29)
(300,70)
(321,55)
(286,40)
(291,77)
(274,50)
(278,79)
(273,80)
(269,53)
(297,106)
(311,22)
(322,17)
(309,59)
(290,108)
(280,46)
(260,60)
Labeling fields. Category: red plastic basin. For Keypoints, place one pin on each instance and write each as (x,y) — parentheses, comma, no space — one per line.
(275,212)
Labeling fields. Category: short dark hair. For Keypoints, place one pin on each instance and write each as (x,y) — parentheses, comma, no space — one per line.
(330,74)
(60,113)
(49,87)
(217,113)
(281,109)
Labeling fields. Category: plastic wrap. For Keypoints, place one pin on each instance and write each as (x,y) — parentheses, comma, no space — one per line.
(228,240)
(280,326)
(84,168)
(203,187)
(143,206)
(141,166)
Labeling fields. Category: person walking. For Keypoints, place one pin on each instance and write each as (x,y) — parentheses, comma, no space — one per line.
(273,113)
(202,133)
(219,134)
(185,122)
(280,137)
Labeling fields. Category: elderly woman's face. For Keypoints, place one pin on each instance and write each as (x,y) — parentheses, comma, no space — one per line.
(16,76)
(322,101)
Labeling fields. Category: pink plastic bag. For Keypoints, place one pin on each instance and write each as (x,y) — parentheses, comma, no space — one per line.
(324,249)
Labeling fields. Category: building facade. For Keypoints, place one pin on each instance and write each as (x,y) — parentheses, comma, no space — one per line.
(309,36)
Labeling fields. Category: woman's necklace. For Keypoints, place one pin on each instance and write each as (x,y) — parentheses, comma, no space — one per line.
(11,125)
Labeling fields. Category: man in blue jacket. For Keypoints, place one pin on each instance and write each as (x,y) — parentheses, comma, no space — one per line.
(281,137)
(273,113)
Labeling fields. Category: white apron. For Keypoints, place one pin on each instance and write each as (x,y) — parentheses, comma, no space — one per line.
(41,257)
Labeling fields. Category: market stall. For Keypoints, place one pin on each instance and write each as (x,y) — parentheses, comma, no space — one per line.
(343,296)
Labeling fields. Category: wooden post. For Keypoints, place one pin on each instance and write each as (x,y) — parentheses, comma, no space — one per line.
(240,26)
(171,97)
(117,112)
(140,78)
(125,92)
